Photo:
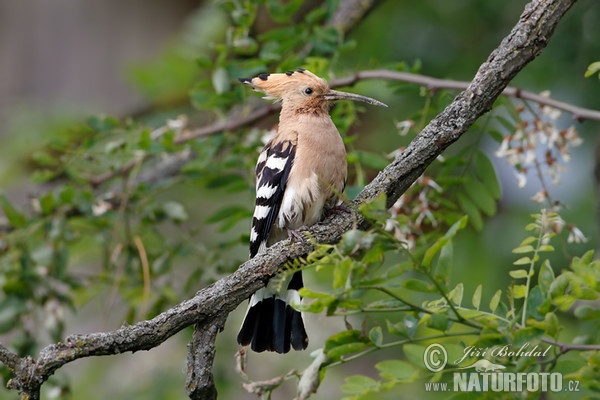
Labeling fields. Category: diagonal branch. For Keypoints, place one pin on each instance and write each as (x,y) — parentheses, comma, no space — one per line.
(527,39)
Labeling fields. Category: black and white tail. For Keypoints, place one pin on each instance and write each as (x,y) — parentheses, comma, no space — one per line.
(271,323)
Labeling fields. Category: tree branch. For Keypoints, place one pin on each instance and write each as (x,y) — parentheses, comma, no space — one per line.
(210,305)
(200,384)
(578,113)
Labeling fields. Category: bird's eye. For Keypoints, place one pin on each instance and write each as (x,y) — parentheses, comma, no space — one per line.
(308,90)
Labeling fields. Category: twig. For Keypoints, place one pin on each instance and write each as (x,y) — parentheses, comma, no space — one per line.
(566,347)
(8,358)
(578,113)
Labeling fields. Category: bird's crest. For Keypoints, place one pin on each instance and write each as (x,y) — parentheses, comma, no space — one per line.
(290,84)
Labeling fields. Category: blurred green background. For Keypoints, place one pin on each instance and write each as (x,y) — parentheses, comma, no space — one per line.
(63,61)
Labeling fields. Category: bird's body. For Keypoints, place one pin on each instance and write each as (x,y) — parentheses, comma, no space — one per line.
(300,174)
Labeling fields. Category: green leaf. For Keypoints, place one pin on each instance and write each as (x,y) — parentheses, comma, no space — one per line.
(528,240)
(456,294)
(545,277)
(15,217)
(282,12)
(527,335)
(441,242)
(406,327)
(477,297)
(44,159)
(47,203)
(341,273)
(480,196)
(336,353)
(358,384)
(376,336)
(546,247)
(344,337)
(518,274)
(418,285)
(522,261)
(10,310)
(432,251)
(587,313)
(592,69)
(102,123)
(519,291)
(220,80)
(444,263)
(524,249)
(414,353)
(486,173)
(471,210)
(495,300)
(552,324)
(439,322)
(115,145)
(396,370)
(175,211)
(564,302)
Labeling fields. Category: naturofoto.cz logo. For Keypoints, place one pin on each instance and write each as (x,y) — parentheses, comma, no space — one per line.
(484,375)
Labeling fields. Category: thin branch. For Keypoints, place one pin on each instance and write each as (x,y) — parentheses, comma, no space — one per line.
(8,358)
(349,12)
(566,347)
(578,113)
(525,42)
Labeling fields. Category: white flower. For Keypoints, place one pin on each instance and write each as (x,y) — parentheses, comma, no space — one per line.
(575,235)
(571,137)
(548,111)
(100,207)
(428,181)
(504,146)
(404,126)
(521,178)
(540,196)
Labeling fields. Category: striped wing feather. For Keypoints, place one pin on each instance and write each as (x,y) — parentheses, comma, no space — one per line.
(272,172)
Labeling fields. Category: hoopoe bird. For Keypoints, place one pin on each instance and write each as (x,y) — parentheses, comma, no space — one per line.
(300,174)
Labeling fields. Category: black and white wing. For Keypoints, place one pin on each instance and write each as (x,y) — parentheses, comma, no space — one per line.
(272,173)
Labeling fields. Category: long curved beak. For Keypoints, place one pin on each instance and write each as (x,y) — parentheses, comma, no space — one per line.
(337,95)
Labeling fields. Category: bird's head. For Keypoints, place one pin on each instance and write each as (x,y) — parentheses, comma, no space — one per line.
(301,89)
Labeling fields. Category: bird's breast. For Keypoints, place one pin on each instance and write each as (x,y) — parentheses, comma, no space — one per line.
(317,177)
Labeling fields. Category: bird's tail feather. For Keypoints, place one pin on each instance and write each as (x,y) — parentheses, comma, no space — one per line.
(272,324)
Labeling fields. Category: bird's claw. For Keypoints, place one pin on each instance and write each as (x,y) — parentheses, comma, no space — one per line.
(339,209)
(295,235)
